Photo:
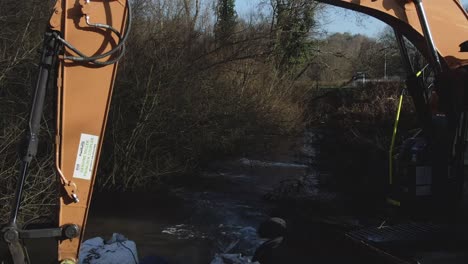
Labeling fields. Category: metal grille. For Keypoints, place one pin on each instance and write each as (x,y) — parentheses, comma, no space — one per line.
(410,232)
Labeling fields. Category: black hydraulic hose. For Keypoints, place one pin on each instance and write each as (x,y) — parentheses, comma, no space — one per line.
(18,194)
(120,46)
(85,57)
(49,52)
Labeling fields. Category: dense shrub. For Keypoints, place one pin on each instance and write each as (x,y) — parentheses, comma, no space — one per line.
(23,24)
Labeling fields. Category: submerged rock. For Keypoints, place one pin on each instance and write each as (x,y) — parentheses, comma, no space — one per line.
(271,252)
(272,228)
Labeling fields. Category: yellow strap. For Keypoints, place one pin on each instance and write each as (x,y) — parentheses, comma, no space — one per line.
(393,202)
(392,145)
(395,130)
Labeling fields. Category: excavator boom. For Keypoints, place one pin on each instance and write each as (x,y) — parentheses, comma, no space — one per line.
(82,45)
(84,91)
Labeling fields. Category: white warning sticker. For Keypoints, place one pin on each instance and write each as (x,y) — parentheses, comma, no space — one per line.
(86,156)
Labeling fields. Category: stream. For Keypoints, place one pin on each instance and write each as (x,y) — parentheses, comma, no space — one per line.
(217,214)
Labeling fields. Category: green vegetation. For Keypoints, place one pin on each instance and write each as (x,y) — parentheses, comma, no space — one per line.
(226,20)
(294,21)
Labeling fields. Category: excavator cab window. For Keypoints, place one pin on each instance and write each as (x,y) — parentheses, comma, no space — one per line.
(464,46)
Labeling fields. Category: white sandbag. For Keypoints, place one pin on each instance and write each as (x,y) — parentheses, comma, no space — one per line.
(118,249)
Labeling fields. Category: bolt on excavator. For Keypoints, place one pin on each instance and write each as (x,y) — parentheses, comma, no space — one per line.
(85,39)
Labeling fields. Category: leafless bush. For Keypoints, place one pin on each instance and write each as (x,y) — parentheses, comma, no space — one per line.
(20,38)
(174,111)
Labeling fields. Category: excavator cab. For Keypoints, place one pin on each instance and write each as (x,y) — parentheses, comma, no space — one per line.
(426,175)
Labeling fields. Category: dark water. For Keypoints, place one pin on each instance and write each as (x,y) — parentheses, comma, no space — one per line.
(219,213)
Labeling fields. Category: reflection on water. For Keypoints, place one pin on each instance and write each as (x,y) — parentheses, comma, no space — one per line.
(183,232)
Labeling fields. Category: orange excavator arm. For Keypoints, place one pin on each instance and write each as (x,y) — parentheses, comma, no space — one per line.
(84,93)
(86,38)
(82,45)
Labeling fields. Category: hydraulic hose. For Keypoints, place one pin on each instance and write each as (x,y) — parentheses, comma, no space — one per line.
(96,59)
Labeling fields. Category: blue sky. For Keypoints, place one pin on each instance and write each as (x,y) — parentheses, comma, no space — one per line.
(333,20)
